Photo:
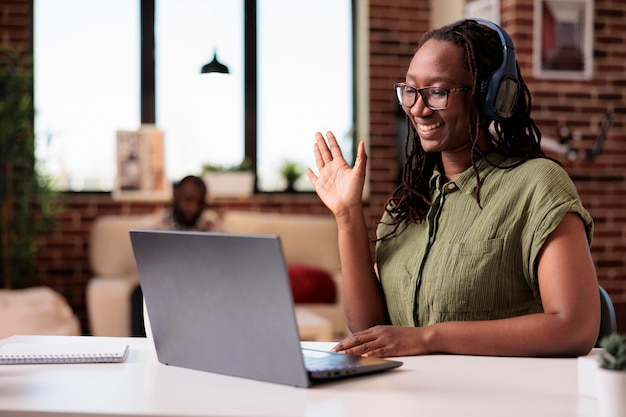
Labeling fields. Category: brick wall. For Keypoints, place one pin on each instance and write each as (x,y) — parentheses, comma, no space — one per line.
(580,106)
(395,27)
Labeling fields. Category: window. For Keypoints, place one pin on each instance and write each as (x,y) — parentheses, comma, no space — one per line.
(201,115)
(86,69)
(305,83)
(87,84)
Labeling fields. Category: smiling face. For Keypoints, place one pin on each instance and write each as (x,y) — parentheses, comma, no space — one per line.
(439,63)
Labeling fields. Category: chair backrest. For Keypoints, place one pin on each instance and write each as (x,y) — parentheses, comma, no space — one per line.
(110,252)
(307,239)
(608,322)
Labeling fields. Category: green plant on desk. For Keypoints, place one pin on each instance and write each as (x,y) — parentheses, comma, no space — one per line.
(611,376)
(613,356)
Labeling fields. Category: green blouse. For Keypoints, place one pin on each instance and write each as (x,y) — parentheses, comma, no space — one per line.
(464,262)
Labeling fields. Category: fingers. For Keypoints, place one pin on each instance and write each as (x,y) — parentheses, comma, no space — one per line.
(326,149)
(335,150)
(384,341)
(361,156)
(322,151)
(311,175)
(377,341)
(319,160)
(361,343)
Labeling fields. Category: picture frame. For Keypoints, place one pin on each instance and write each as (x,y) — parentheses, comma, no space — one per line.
(563,39)
(140,166)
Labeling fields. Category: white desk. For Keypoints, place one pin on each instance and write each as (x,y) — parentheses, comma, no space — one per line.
(439,385)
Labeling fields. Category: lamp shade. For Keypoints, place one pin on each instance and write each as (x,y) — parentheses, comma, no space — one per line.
(214,66)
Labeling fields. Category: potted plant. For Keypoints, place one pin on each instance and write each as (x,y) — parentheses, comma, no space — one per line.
(229,180)
(291,173)
(611,376)
(27,203)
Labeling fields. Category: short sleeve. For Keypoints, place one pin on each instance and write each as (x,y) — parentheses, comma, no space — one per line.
(553,195)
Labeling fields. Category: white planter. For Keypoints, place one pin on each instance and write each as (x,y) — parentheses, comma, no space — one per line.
(611,389)
(229,184)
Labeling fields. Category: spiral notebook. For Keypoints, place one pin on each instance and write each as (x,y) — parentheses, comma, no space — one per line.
(90,352)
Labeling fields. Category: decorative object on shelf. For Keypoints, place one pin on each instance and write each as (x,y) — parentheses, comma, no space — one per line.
(141,165)
(229,181)
(611,376)
(28,204)
(291,173)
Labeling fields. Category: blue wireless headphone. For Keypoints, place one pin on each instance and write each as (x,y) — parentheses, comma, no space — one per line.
(501,89)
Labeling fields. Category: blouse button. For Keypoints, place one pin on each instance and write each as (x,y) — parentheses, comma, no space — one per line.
(451,186)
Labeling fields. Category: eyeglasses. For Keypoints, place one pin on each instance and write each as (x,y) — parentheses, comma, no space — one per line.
(435,98)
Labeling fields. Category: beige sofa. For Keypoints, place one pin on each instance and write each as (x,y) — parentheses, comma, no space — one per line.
(306,239)
(36,310)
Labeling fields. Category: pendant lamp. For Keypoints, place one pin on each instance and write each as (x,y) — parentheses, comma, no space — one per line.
(214,66)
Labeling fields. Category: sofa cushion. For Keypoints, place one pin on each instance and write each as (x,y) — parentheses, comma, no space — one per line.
(306,239)
(110,251)
(311,285)
(36,310)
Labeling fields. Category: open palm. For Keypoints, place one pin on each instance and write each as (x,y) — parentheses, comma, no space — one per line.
(338,185)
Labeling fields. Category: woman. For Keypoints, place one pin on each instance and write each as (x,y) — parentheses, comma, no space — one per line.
(484,247)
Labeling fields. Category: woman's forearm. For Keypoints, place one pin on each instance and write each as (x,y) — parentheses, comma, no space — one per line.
(363,300)
(539,334)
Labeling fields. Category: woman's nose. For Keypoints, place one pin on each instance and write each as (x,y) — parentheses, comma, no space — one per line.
(419,108)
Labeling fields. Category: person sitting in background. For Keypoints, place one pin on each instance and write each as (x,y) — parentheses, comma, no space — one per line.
(483,249)
(186,212)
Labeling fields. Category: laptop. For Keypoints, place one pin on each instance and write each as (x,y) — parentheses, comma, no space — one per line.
(222,303)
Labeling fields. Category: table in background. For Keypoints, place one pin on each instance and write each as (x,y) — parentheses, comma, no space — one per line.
(436,385)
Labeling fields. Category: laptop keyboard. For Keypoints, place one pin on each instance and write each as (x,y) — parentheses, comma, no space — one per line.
(317,361)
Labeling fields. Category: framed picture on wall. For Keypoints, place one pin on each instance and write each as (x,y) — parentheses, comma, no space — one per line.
(563,39)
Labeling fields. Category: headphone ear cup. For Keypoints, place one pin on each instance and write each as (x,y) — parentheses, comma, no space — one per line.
(507,96)
(500,91)
(500,97)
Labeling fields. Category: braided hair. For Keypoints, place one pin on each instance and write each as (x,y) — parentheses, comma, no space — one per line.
(517,136)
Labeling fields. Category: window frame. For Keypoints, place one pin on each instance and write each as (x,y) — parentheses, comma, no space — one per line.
(250,77)
(147,78)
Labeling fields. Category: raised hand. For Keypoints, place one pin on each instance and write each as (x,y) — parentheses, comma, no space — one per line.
(339,186)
